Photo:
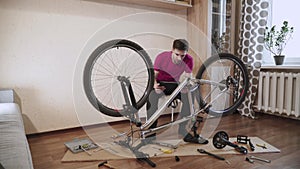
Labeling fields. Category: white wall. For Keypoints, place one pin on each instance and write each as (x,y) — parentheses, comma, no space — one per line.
(40,43)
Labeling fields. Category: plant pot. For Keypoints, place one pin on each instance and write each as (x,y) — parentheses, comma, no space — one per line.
(279,59)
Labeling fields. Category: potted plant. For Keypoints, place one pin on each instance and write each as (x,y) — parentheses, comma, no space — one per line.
(276,40)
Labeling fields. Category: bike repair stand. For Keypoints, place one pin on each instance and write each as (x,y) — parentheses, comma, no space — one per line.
(195,137)
(131,109)
(196,124)
(197,121)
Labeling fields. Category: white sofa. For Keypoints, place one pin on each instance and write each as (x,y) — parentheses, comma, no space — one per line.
(14,148)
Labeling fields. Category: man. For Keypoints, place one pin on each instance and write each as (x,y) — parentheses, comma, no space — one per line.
(168,67)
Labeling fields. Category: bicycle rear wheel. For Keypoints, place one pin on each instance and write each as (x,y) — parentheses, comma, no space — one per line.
(225,84)
(110,61)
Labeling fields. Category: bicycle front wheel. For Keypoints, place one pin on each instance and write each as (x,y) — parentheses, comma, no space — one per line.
(224,84)
(110,62)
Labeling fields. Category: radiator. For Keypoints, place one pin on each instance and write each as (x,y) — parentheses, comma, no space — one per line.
(279,93)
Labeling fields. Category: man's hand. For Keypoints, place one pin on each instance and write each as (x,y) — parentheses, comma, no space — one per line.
(159,89)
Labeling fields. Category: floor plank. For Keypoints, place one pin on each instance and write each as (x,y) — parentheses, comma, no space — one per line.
(48,148)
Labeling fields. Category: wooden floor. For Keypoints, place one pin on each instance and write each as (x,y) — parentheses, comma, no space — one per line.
(48,149)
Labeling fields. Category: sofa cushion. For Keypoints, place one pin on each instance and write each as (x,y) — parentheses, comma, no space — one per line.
(15,152)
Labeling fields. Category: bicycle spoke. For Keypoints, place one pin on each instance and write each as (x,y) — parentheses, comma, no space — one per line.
(229,72)
(114,65)
(104,64)
(107,66)
(209,94)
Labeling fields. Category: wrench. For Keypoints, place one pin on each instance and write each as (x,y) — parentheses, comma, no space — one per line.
(211,154)
(260,159)
(250,160)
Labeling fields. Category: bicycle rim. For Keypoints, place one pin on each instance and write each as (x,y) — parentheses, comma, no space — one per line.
(227,84)
(113,59)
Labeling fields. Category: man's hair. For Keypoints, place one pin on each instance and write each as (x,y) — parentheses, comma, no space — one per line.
(181,44)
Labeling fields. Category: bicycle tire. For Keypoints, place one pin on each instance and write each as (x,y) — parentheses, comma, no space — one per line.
(101,61)
(240,89)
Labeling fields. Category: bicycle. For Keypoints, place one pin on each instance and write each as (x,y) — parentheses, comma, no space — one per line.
(129,70)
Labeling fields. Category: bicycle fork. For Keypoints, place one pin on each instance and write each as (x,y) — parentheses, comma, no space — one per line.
(130,103)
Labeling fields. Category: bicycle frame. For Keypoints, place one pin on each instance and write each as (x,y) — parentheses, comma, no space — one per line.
(145,131)
(145,127)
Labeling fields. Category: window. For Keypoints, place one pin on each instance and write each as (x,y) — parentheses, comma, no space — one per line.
(279,12)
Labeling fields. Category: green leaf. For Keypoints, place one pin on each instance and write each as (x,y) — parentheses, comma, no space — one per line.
(275,40)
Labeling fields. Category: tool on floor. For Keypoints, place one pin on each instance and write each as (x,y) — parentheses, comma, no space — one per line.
(105,163)
(211,154)
(262,146)
(249,160)
(75,146)
(98,149)
(166,151)
(221,139)
(83,147)
(245,140)
(260,159)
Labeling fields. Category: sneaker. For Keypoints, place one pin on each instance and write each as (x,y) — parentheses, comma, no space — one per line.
(195,139)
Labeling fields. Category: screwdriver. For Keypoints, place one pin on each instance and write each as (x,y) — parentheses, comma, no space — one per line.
(166,151)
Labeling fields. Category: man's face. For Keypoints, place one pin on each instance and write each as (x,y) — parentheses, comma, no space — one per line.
(178,55)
